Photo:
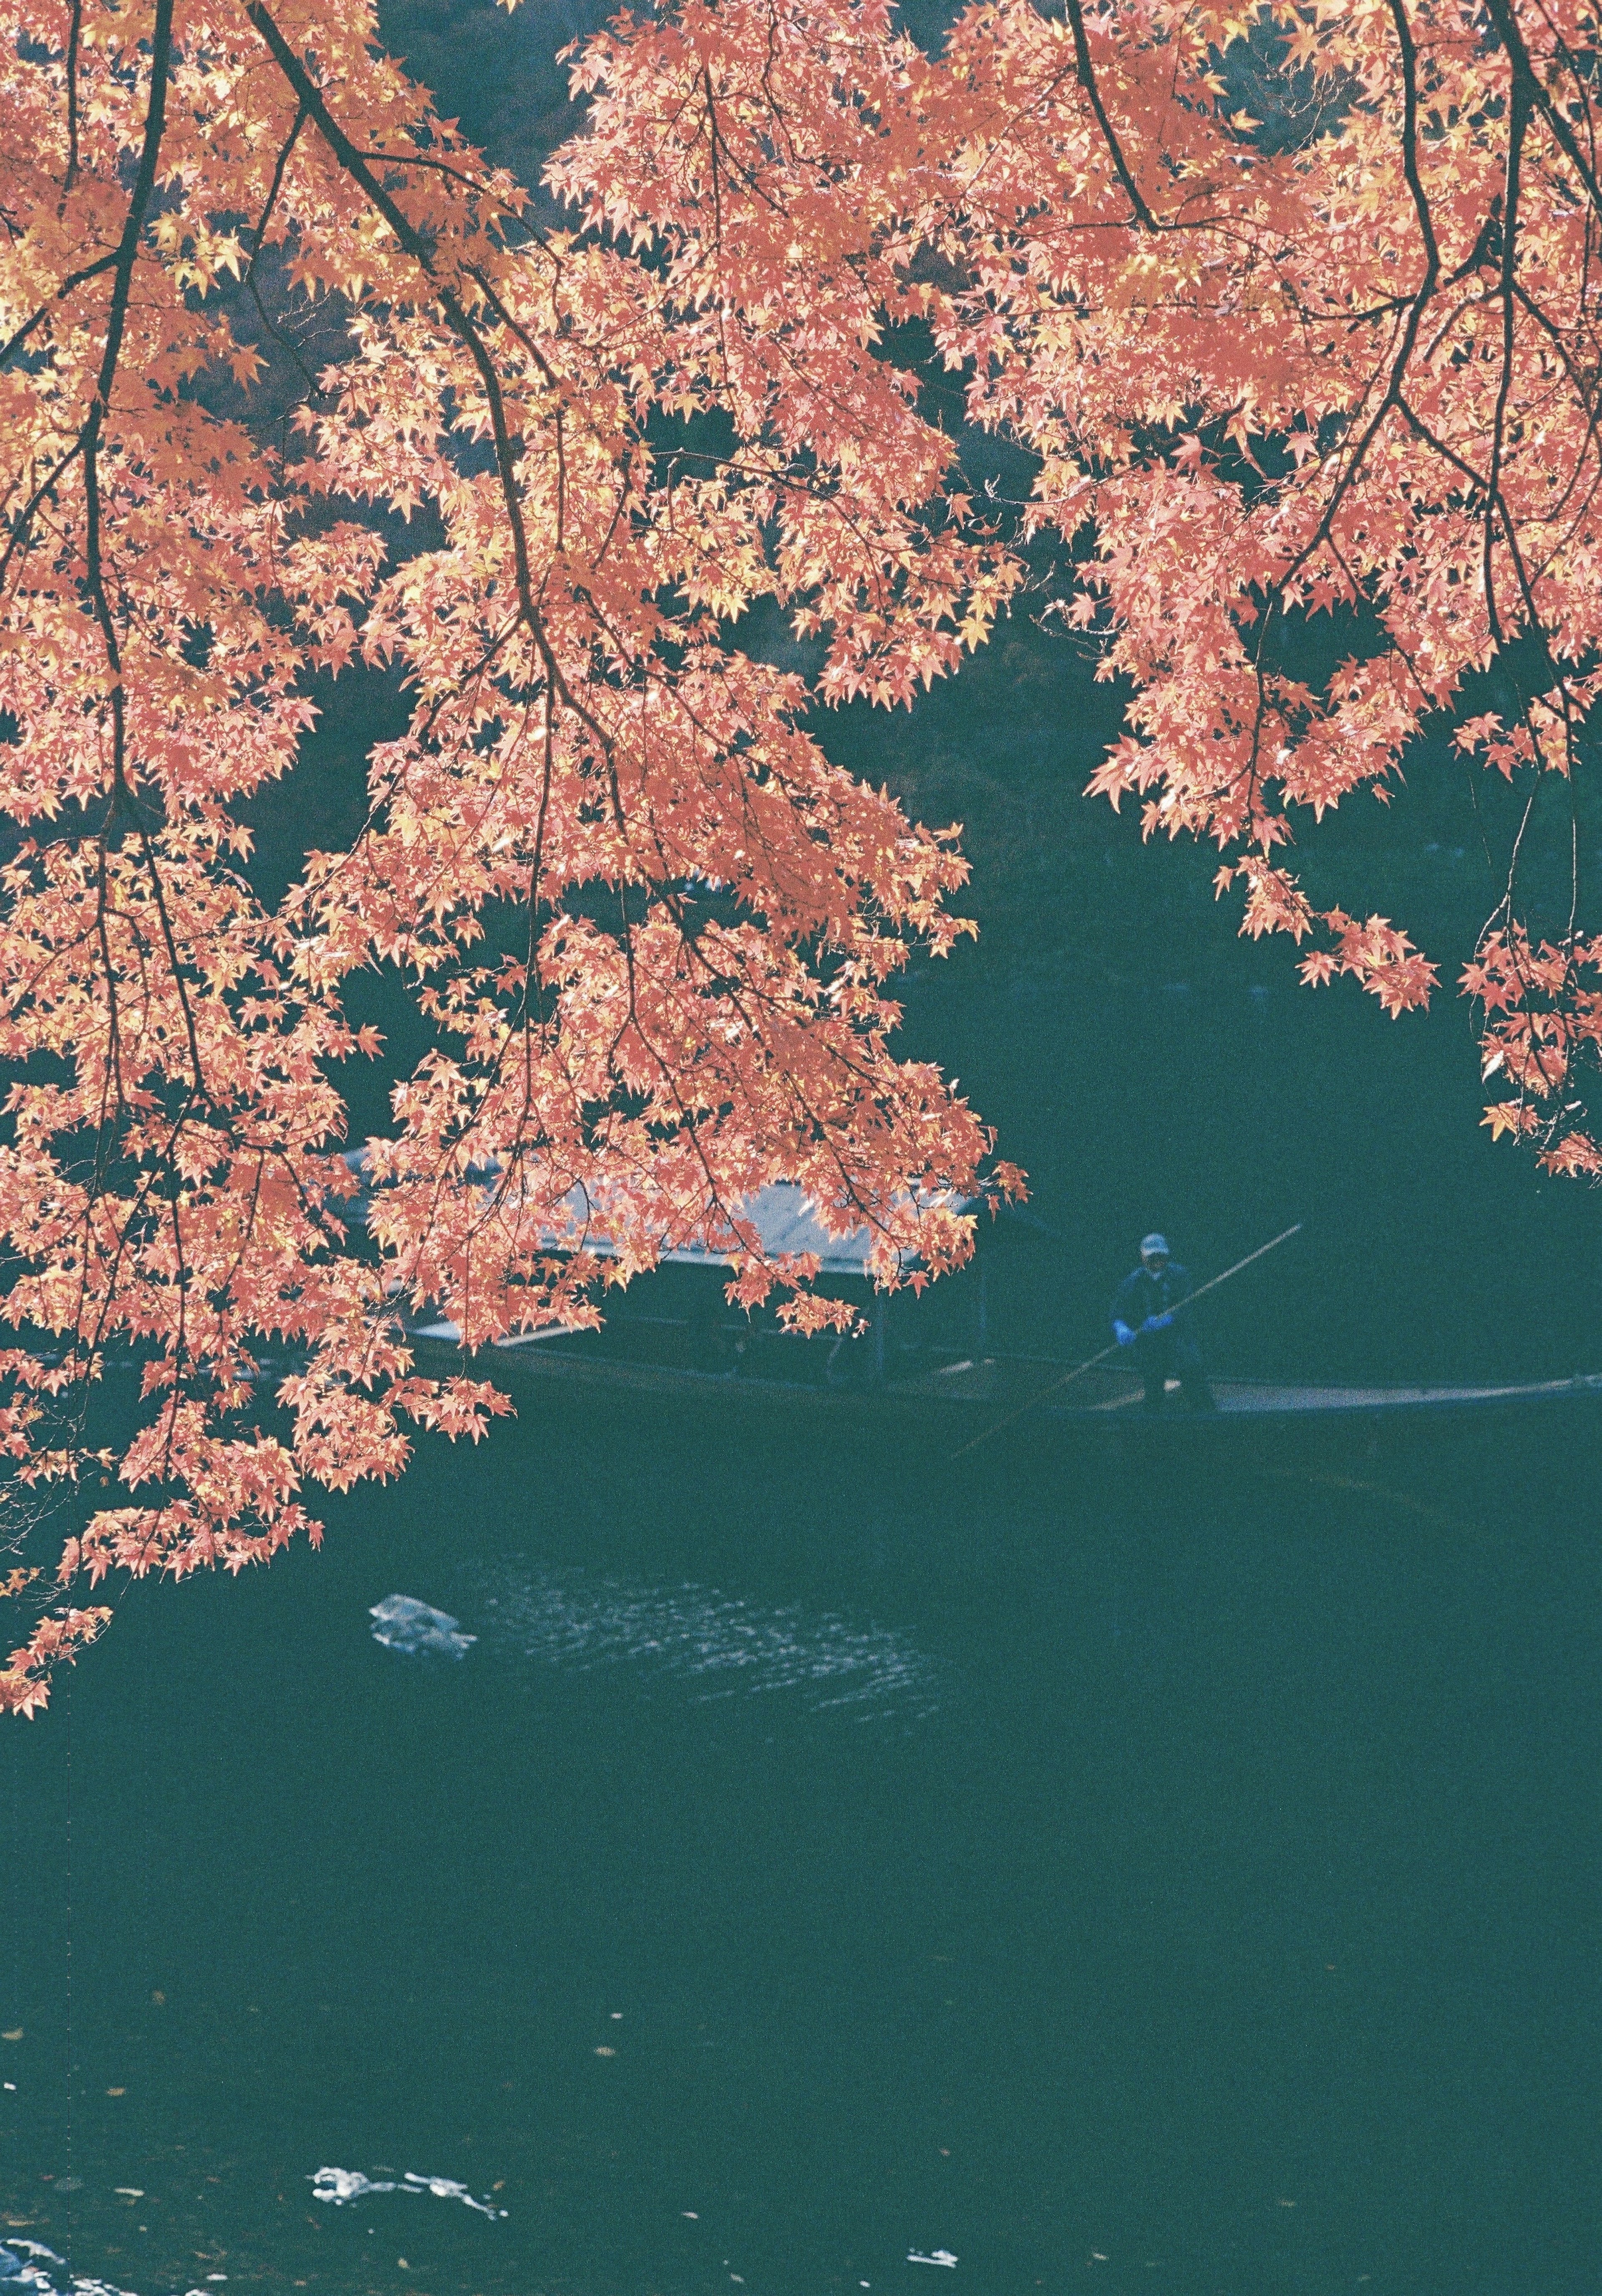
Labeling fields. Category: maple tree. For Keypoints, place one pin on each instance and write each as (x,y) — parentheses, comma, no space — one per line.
(1334,358)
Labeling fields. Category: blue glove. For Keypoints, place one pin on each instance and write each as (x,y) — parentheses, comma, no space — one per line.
(1159,1323)
(1123,1335)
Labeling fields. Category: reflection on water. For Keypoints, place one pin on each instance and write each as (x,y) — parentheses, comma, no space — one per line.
(723,1646)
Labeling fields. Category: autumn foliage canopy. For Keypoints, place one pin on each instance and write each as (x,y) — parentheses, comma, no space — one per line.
(1335,355)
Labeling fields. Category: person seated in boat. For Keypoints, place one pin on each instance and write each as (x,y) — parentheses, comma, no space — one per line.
(1143,1322)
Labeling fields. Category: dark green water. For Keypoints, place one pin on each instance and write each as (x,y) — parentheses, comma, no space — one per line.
(1169,1890)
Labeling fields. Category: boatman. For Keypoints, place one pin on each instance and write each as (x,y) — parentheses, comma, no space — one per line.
(1143,1320)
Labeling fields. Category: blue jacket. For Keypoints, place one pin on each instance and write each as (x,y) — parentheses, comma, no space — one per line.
(1141,1294)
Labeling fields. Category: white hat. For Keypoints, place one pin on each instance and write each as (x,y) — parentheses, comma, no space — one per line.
(1150,1245)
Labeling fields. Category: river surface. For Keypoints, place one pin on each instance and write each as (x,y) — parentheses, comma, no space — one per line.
(794,1876)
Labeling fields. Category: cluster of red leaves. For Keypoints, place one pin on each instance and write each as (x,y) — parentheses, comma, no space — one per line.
(1374,951)
(55,1641)
(1543,1010)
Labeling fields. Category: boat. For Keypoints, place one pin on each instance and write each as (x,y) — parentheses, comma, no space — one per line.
(973,1413)
(921,1379)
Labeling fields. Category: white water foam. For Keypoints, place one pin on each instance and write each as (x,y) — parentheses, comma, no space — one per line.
(339,2185)
(28,2266)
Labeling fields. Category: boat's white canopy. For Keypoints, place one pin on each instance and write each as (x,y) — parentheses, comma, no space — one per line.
(785,1220)
(783,1215)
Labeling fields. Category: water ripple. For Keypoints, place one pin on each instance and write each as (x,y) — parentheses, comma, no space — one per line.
(718,1645)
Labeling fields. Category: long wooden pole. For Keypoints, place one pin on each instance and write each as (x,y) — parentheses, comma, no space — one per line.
(1090,1362)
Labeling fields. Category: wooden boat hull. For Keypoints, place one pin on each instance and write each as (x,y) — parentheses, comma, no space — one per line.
(927,1423)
